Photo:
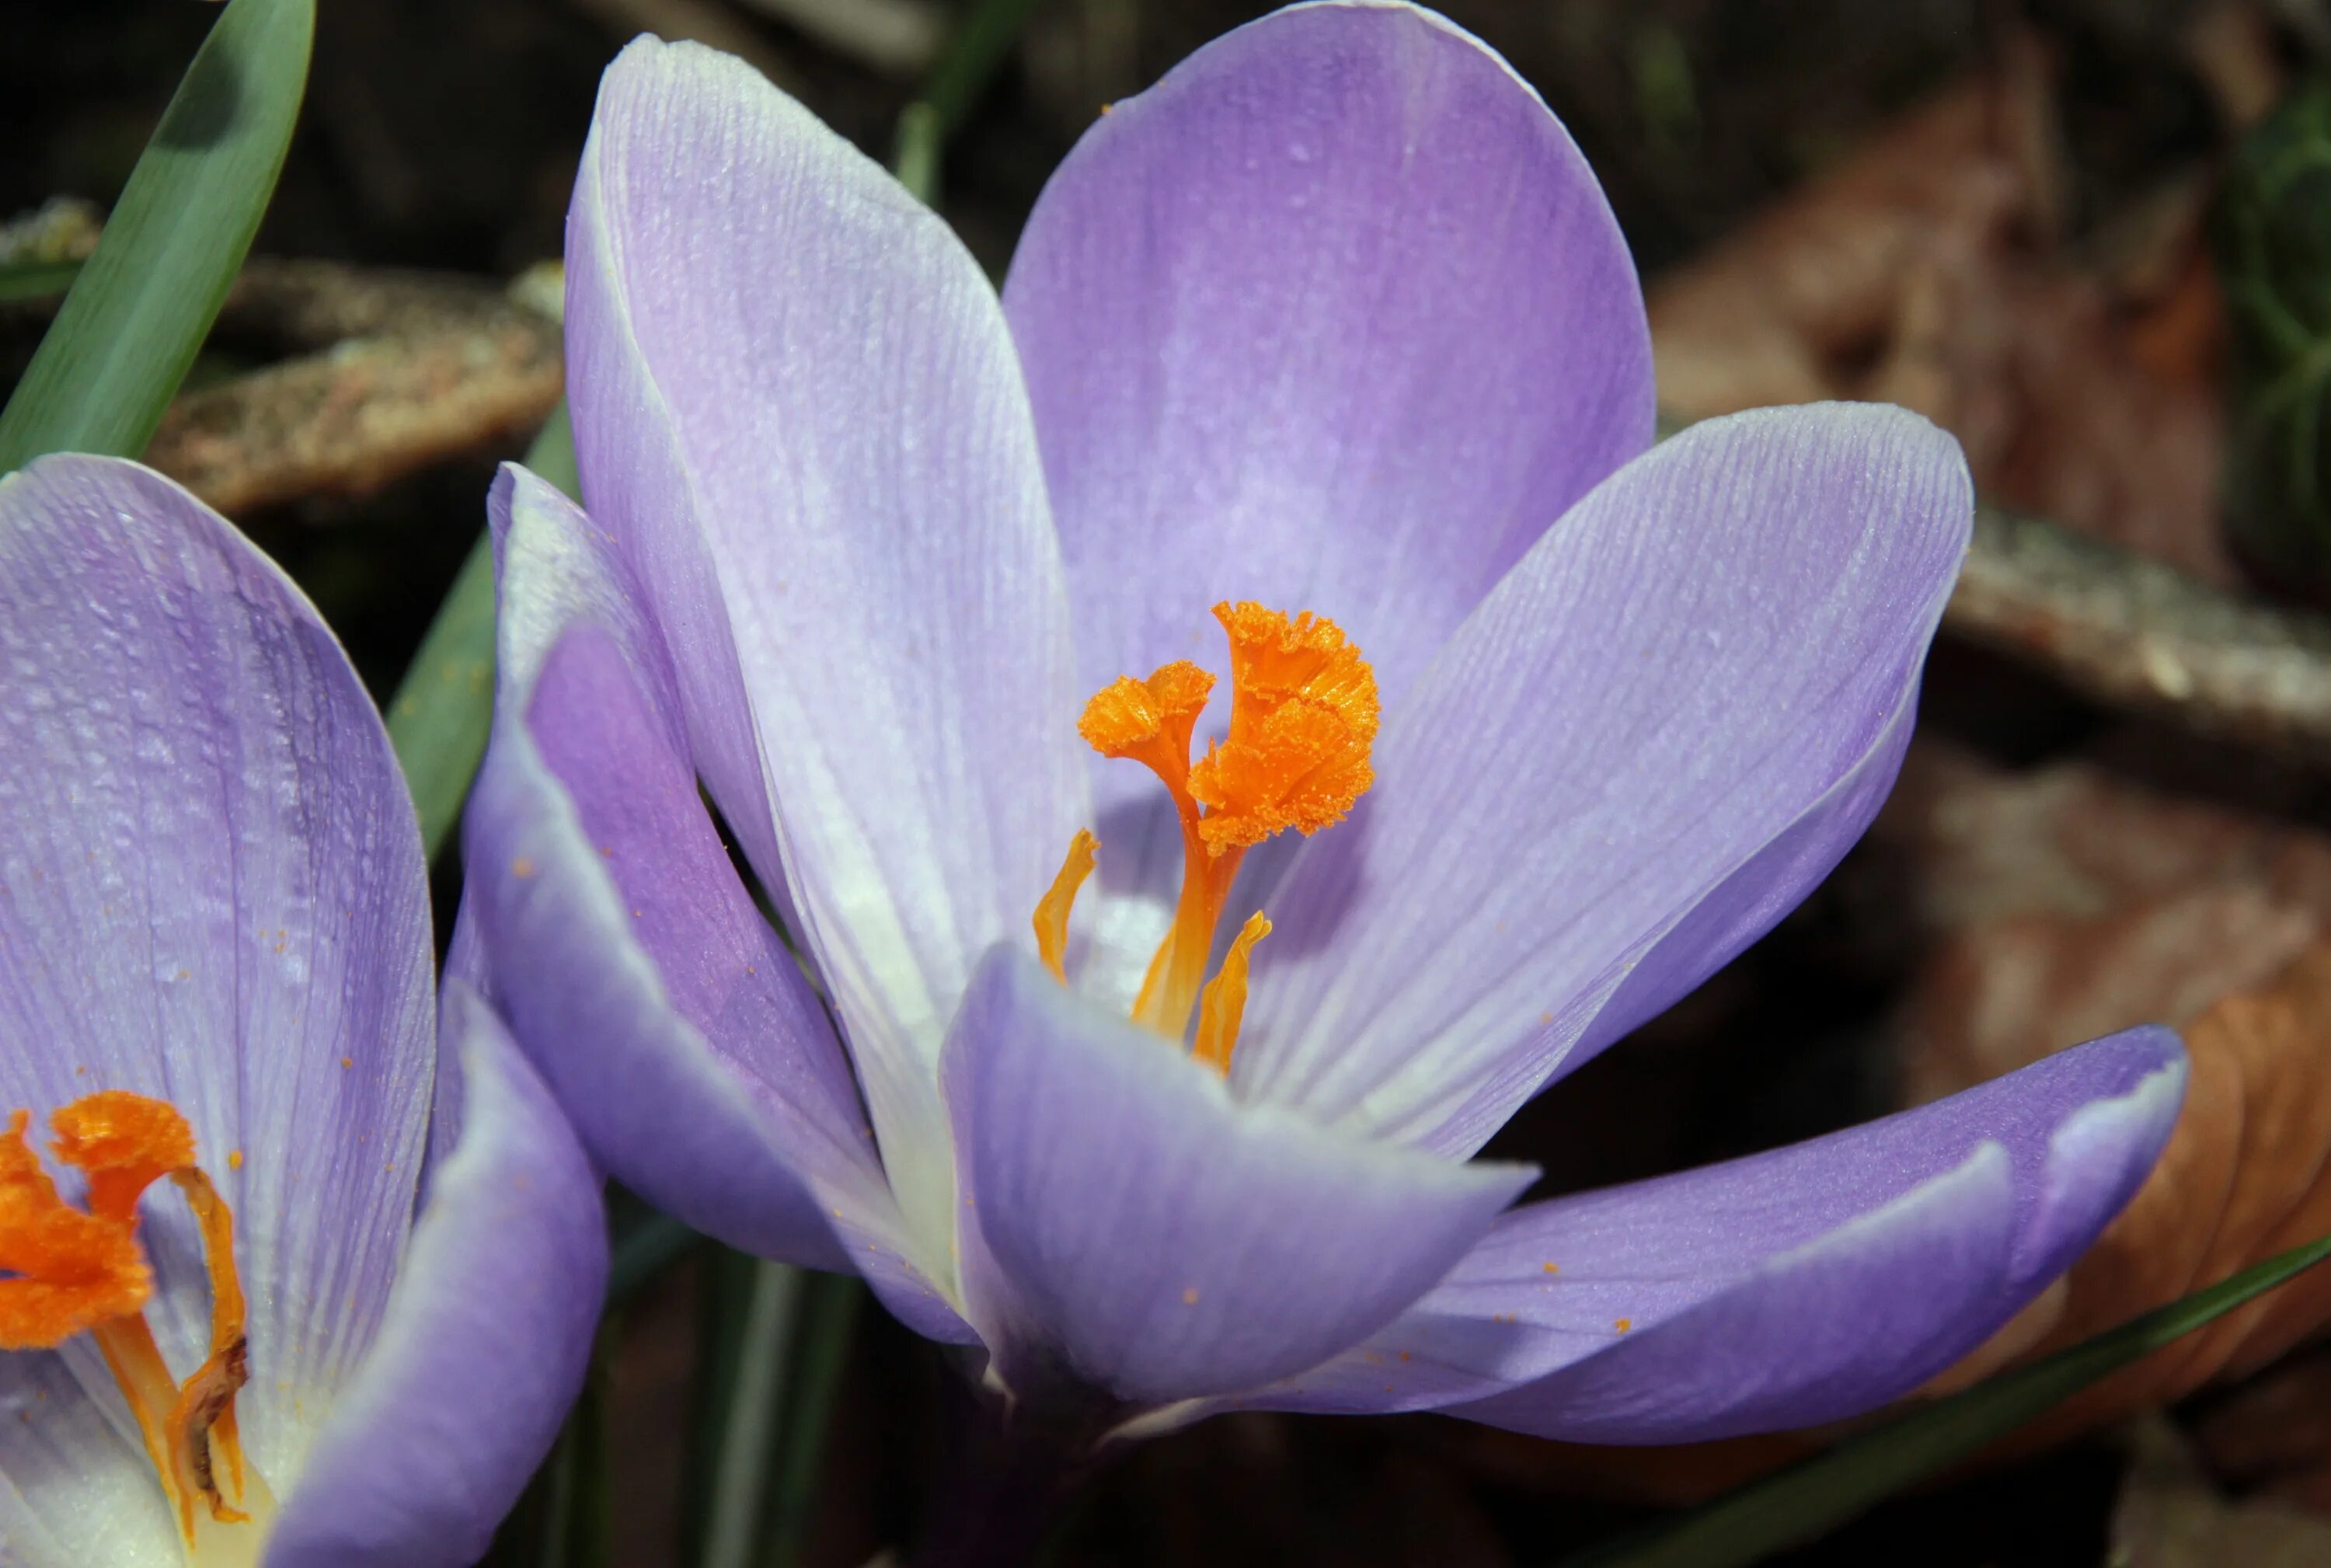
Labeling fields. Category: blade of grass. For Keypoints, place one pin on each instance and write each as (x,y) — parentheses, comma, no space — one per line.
(1811,1499)
(36,279)
(145,299)
(745,1435)
(444,709)
(644,1254)
(830,1311)
(972,58)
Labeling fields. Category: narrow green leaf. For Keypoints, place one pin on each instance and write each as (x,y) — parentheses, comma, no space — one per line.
(830,1308)
(644,1254)
(36,279)
(744,1427)
(145,300)
(444,707)
(2273,239)
(1811,1499)
(972,58)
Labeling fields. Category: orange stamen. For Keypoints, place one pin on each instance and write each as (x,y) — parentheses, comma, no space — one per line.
(1303,717)
(1051,919)
(1223,1005)
(80,1270)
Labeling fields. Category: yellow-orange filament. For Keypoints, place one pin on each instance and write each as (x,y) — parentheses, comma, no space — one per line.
(74,1271)
(1222,1005)
(1303,719)
(1051,919)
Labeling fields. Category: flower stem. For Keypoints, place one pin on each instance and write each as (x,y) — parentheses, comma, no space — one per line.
(1016,1469)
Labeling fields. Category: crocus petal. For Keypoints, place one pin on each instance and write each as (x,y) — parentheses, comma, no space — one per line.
(1791,1288)
(484,1344)
(798,411)
(623,947)
(1658,733)
(1129,1227)
(212,892)
(1334,316)
(75,1487)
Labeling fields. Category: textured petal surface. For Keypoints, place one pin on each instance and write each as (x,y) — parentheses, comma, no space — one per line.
(624,948)
(1791,1288)
(74,1488)
(1128,1227)
(212,892)
(1334,317)
(485,1342)
(798,413)
(1658,733)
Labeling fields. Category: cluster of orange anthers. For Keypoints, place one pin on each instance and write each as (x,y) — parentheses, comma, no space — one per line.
(1303,718)
(79,1271)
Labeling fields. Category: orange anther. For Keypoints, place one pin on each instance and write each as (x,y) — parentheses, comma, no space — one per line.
(1303,717)
(80,1270)
(73,1270)
(1222,1006)
(1051,919)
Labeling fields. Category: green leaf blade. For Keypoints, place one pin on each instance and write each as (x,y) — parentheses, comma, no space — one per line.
(1809,1498)
(141,305)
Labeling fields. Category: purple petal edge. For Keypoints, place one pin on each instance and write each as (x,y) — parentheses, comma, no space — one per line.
(484,1344)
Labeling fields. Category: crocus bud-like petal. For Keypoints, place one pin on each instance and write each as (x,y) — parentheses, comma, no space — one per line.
(484,1344)
(1131,1229)
(1786,1288)
(1334,317)
(1656,735)
(799,415)
(623,947)
(211,894)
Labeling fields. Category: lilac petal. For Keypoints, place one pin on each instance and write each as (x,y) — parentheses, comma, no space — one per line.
(75,1488)
(1130,1228)
(798,411)
(1658,734)
(484,1344)
(212,892)
(1334,316)
(625,949)
(1800,1285)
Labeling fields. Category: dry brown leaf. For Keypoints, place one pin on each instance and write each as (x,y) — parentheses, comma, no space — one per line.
(2058,905)
(2244,1177)
(2272,1435)
(2171,1514)
(2069,904)
(1925,270)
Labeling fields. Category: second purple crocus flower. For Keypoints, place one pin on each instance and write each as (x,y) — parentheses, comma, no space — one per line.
(1333,319)
(232,1332)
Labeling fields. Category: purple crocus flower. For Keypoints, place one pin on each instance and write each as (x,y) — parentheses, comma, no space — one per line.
(215,984)
(1333,319)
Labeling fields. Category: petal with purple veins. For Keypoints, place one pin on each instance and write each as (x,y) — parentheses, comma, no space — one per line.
(212,892)
(1129,1227)
(798,413)
(1800,1285)
(1334,317)
(623,947)
(484,1343)
(1662,728)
